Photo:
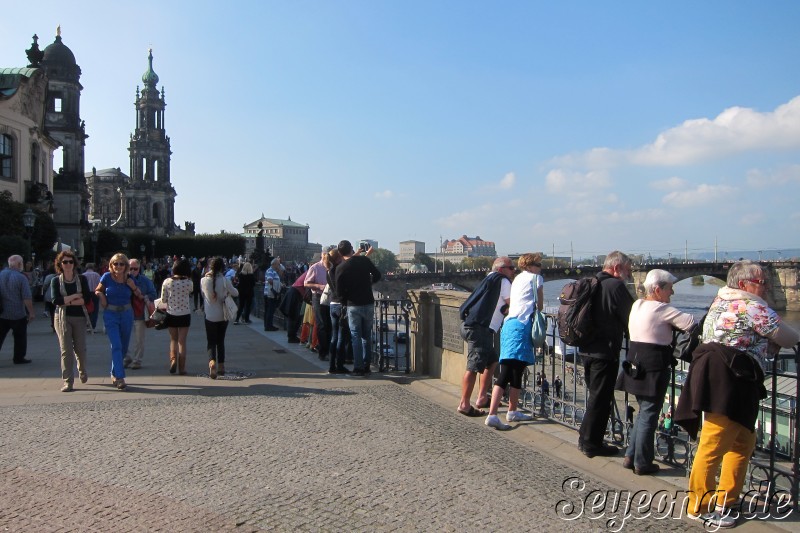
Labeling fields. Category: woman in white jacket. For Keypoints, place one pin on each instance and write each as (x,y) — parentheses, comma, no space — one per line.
(215,288)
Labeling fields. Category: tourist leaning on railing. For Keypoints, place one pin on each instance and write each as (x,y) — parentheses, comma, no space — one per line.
(647,368)
(725,383)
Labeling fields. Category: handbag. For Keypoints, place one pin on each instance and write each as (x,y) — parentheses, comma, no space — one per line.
(157,319)
(539,323)
(229,308)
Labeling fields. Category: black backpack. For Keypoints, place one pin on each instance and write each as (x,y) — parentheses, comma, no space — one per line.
(478,309)
(574,317)
(685,342)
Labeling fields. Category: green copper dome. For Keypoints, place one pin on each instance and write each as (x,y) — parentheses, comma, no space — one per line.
(150,78)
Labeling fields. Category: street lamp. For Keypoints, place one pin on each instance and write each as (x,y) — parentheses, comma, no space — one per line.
(142,248)
(153,249)
(124,243)
(94,235)
(28,220)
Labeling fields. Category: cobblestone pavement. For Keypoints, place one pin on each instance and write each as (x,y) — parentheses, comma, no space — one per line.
(287,449)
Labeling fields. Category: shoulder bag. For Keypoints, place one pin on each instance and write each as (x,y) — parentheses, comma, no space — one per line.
(539,329)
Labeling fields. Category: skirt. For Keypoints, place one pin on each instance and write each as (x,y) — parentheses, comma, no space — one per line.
(178,321)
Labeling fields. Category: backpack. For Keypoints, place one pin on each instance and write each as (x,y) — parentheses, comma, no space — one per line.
(685,342)
(478,309)
(574,317)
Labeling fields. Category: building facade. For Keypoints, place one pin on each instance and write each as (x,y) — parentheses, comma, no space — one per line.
(286,239)
(144,201)
(408,249)
(468,247)
(26,151)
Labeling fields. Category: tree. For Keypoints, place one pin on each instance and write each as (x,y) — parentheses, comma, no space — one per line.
(44,230)
(384,260)
(424,259)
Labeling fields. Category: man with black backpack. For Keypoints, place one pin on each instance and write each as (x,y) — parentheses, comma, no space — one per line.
(611,305)
(482,315)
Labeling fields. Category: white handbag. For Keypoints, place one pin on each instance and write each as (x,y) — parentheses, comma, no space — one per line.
(229,308)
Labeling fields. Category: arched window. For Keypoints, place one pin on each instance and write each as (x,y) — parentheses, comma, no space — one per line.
(6,156)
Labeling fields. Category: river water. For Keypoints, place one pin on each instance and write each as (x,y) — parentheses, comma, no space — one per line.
(689,298)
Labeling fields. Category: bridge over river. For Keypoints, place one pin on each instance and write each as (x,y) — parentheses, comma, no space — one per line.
(784,293)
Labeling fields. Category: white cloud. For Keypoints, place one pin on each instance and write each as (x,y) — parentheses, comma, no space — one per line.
(475,217)
(700,195)
(669,184)
(508,181)
(384,195)
(734,130)
(781,176)
(576,183)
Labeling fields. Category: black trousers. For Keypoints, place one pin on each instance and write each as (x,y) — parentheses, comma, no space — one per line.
(19,330)
(215,335)
(601,375)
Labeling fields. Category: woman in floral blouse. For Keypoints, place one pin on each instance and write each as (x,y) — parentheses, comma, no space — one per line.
(176,294)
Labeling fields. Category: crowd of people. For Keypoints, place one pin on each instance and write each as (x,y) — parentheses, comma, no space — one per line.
(721,393)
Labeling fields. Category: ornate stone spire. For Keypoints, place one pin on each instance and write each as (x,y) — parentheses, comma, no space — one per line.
(34,54)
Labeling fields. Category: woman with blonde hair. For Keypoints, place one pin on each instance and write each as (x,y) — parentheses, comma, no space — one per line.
(176,294)
(215,288)
(516,346)
(70,292)
(114,292)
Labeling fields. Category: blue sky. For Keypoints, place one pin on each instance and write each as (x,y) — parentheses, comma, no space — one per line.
(643,126)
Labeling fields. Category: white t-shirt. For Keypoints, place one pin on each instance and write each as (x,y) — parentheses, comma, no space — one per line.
(505,294)
(652,322)
(524,292)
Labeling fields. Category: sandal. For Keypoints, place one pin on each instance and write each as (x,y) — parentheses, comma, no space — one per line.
(472,412)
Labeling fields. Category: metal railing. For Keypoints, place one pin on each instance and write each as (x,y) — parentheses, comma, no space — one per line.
(773,464)
(391,334)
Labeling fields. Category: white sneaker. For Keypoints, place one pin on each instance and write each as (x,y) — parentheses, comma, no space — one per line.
(516,416)
(714,521)
(493,421)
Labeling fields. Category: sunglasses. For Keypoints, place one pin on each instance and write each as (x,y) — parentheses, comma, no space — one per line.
(120,264)
(134,268)
(67,262)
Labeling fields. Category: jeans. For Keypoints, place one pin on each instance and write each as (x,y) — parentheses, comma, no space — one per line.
(119,325)
(360,318)
(270,304)
(641,448)
(601,375)
(337,349)
(19,330)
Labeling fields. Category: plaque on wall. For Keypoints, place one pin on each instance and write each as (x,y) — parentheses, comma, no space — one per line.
(447,329)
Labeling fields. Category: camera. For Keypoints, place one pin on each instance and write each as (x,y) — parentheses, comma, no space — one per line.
(363,247)
(633,370)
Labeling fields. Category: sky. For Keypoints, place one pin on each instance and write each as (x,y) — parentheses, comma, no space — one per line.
(570,127)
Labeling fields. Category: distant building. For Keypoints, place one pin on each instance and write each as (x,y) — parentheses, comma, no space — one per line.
(468,247)
(408,249)
(286,239)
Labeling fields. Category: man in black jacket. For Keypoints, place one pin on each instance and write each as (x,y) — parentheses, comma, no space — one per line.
(611,306)
(354,279)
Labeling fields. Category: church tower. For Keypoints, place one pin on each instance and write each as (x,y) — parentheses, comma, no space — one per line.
(63,123)
(148,203)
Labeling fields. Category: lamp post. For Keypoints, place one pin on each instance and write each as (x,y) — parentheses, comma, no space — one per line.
(153,249)
(28,220)
(142,248)
(94,235)
(124,244)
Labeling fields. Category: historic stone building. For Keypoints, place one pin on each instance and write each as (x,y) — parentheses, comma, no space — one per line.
(145,200)
(26,151)
(286,239)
